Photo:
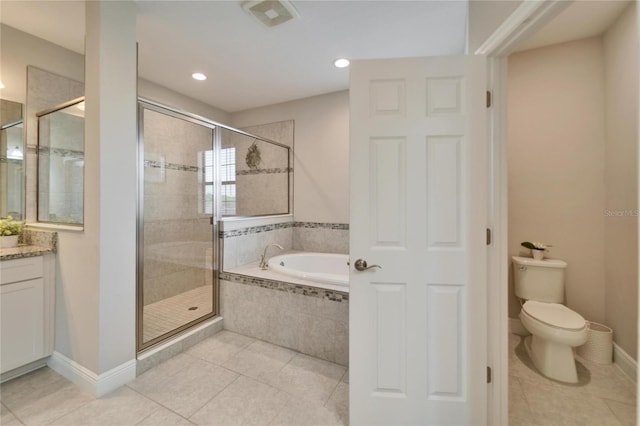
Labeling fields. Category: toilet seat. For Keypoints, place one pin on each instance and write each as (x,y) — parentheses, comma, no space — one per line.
(554,315)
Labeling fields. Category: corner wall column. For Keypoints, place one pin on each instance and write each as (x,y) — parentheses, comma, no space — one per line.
(111,123)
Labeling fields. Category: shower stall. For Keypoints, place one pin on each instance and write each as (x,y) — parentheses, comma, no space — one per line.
(192,173)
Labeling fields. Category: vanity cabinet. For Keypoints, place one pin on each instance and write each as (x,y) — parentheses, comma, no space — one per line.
(27,313)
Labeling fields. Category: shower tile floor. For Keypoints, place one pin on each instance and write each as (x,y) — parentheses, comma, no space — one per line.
(170,313)
(603,396)
(228,379)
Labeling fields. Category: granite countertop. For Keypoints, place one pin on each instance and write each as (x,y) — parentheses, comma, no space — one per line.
(30,244)
(24,251)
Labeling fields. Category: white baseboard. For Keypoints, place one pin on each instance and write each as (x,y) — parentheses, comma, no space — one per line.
(626,363)
(93,383)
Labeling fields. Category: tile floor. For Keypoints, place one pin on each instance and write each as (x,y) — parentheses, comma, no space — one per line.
(231,379)
(228,379)
(168,314)
(603,395)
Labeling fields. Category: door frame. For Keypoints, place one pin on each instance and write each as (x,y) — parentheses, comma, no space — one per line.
(527,19)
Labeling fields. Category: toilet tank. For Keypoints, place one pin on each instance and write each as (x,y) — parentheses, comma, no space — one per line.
(540,280)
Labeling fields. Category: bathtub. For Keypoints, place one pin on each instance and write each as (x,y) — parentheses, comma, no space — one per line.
(327,268)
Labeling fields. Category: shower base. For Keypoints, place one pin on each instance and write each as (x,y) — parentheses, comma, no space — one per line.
(165,315)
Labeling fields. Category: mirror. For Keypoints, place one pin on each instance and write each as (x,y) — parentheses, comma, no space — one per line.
(254,175)
(11,159)
(61,164)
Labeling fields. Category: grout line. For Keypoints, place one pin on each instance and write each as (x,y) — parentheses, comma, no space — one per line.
(215,396)
(12,413)
(158,404)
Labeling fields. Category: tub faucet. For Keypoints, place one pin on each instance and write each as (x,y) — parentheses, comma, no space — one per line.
(263,259)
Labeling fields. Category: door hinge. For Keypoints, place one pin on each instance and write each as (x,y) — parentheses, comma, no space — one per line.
(488,99)
(488,374)
(488,236)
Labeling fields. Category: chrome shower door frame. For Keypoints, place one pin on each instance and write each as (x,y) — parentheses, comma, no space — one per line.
(146,104)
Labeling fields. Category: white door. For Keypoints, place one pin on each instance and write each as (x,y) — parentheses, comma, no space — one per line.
(418,209)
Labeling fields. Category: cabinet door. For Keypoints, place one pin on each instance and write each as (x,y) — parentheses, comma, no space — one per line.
(22,327)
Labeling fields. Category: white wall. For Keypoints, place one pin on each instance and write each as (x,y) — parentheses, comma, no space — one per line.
(18,49)
(621,179)
(556,135)
(321,153)
(111,129)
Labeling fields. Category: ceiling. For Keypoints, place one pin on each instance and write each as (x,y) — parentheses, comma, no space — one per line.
(249,65)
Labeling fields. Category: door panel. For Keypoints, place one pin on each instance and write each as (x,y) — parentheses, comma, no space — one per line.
(415,126)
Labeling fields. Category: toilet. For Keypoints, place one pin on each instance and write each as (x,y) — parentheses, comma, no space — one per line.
(555,329)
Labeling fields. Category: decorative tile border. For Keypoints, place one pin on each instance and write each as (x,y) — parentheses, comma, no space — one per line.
(263,171)
(337,226)
(184,168)
(321,293)
(273,227)
(45,150)
(170,166)
(255,230)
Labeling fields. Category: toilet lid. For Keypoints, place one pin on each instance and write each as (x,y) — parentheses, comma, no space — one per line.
(554,314)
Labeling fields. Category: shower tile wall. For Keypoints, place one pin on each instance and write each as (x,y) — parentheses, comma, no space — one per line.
(177,231)
(263,190)
(44,90)
(61,163)
(321,237)
(247,245)
(252,194)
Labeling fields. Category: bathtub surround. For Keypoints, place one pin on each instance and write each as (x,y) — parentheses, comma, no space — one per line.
(310,320)
(244,245)
(316,326)
(286,286)
(321,237)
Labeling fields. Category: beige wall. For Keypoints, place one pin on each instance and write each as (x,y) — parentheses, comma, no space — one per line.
(621,179)
(168,97)
(556,156)
(485,16)
(321,153)
(20,49)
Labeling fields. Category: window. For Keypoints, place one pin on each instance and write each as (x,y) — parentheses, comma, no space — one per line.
(228,181)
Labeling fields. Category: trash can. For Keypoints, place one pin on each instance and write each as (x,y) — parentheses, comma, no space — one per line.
(599,345)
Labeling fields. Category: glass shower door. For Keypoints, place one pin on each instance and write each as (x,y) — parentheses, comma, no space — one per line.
(176,259)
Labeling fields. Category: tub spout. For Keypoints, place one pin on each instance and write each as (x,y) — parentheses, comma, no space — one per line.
(263,258)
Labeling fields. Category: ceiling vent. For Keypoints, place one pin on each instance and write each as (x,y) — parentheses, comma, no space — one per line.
(271,13)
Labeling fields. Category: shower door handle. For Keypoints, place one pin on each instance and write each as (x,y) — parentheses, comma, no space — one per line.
(361,265)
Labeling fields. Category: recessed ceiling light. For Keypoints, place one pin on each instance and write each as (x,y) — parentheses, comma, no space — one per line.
(198,76)
(341,63)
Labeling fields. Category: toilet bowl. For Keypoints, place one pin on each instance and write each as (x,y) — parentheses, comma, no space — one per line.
(555,330)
